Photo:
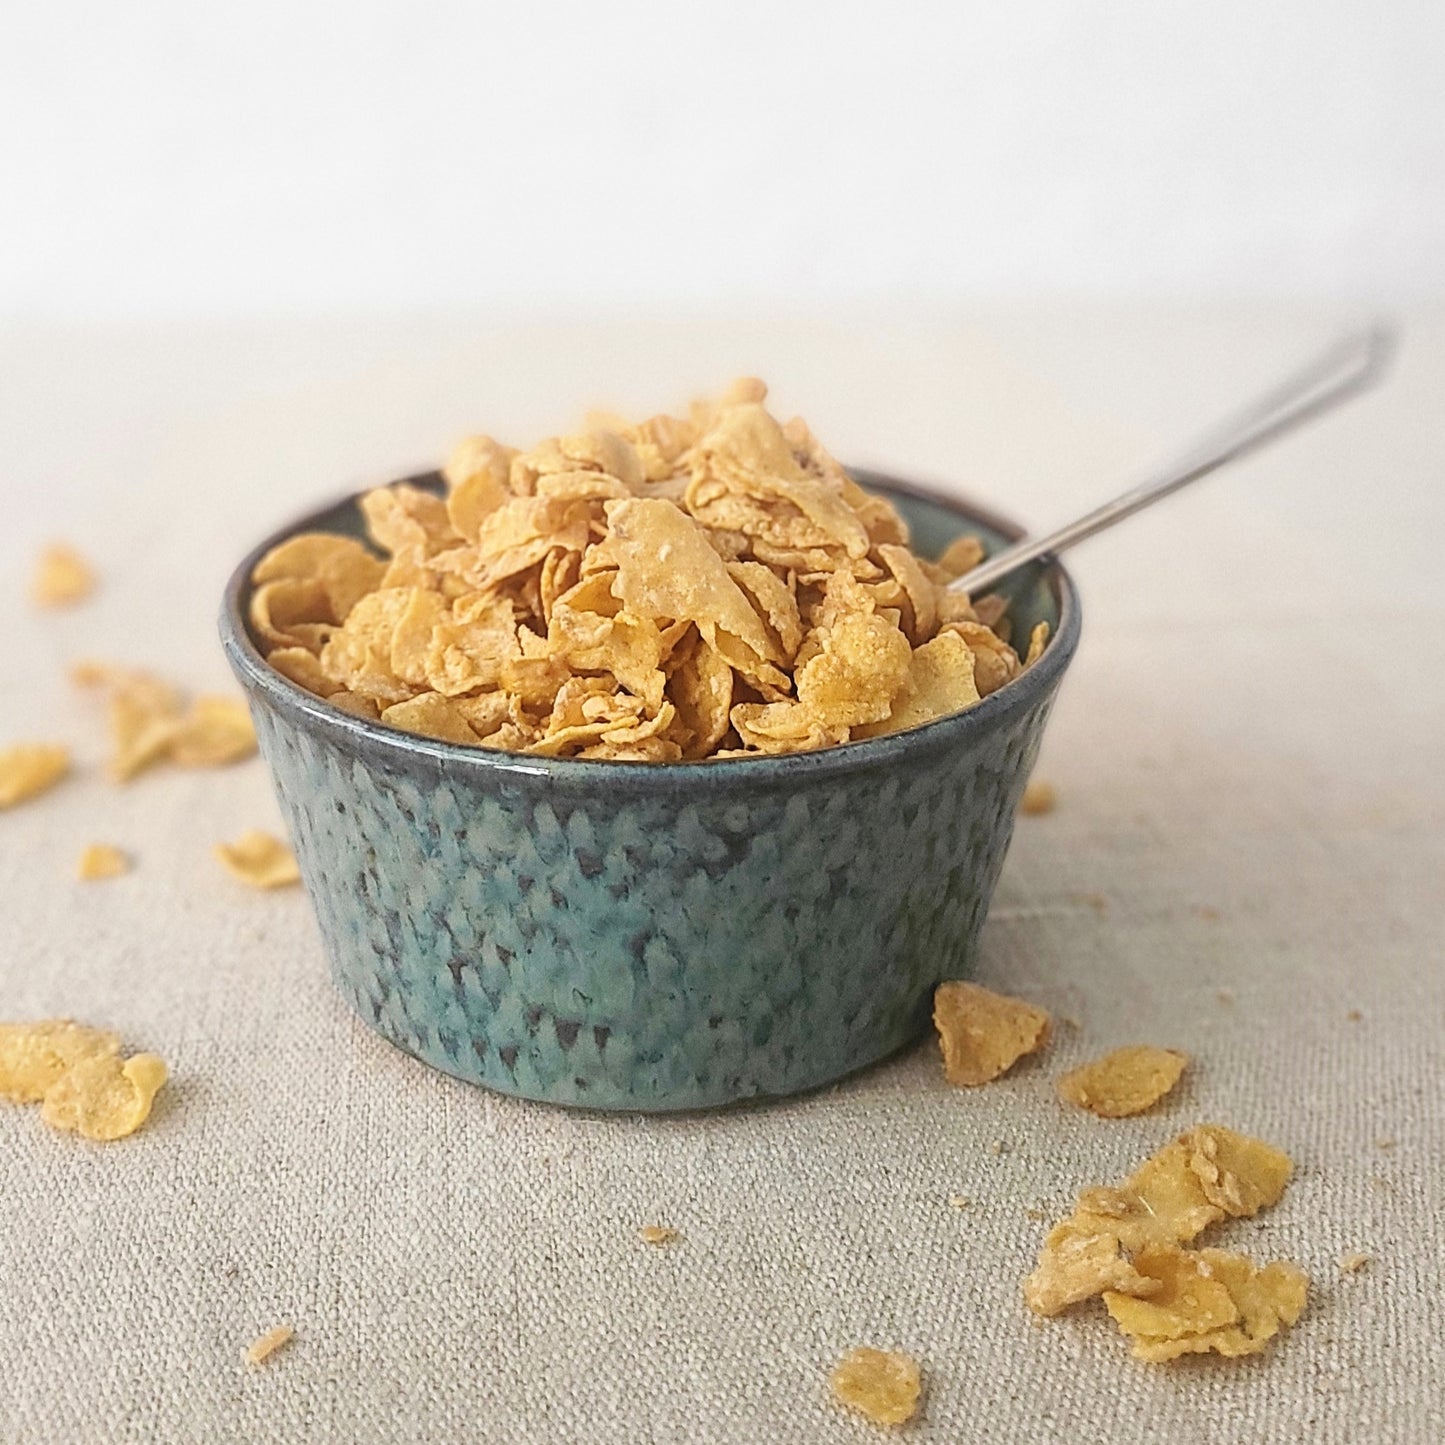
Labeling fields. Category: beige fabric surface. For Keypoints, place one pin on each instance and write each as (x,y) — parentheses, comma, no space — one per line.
(1248,756)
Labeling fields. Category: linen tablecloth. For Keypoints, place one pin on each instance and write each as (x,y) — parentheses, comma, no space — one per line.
(1247,862)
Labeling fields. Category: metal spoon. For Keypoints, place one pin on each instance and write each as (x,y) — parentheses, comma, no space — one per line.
(1351,365)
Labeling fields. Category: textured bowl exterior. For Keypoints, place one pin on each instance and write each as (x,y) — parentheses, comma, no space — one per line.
(648,936)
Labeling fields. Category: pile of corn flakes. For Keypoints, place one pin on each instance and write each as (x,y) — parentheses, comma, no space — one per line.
(680,588)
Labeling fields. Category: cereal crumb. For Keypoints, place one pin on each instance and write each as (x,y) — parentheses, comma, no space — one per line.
(261,1349)
(62,577)
(1354,1015)
(958,1201)
(659,1234)
(1099,902)
(984,1034)
(29,769)
(1208,912)
(1354,1263)
(1039,798)
(996,1147)
(882,1384)
(1124,1082)
(259,859)
(101,860)
(1385,1144)
(1225,996)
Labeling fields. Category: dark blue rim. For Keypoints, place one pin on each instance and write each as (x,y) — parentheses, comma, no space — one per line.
(307,711)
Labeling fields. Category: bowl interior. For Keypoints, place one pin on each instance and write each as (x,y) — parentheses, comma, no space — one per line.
(935,520)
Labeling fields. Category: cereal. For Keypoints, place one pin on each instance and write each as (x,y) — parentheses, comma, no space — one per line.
(882,1384)
(714,585)
(150,723)
(1165,1202)
(1039,797)
(78,1077)
(29,769)
(62,577)
(984,1034)
(1353,1263)
(35,1057)
(1208,1300)
(259,859)
(264,1346)
(101,860)
(1124,1082)
(659,1234)
(214,731)
(100,1097)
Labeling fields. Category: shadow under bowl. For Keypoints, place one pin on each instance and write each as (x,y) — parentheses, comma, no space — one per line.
(655,936)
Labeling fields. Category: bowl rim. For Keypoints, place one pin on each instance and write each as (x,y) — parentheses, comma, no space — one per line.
(307,710)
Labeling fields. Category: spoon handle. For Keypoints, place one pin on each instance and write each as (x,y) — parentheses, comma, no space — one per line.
(1351,365)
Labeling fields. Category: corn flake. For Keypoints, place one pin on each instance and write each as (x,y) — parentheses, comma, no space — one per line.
(1124,1082)
(259,859)
(884,1385)
(1039,797)
(659,1234)
(35,1057)
(102,1097)
(1208,1300)
(62,577)
(29,769)
(984,1034)
(101,860)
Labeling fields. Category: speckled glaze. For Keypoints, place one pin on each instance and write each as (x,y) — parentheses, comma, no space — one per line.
(654,936)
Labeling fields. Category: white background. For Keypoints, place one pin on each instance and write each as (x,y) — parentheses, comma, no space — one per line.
(163,157)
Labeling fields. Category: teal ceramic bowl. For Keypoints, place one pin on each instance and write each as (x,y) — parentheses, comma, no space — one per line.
(654,936)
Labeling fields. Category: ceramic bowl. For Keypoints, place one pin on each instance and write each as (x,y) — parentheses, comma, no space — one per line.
(654,936)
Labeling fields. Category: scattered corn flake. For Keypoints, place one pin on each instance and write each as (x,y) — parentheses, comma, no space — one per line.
(1386,1144)
(1208,1300)
(1039,797)
(1225,996)
(35,1057)
(1199,1178)
(884,1385)
(1188,1300)
(1038,640)
(29,769)
(150,723)
(103,1097)
(101,860)
(212,732)
(659,1234)
(722,579)
(62,577)
(264,1346)
(983,1034)
(1354,1015)
(1099,902)
(259,859)
(1124,1082)
(1353,1263)
(958,1201)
